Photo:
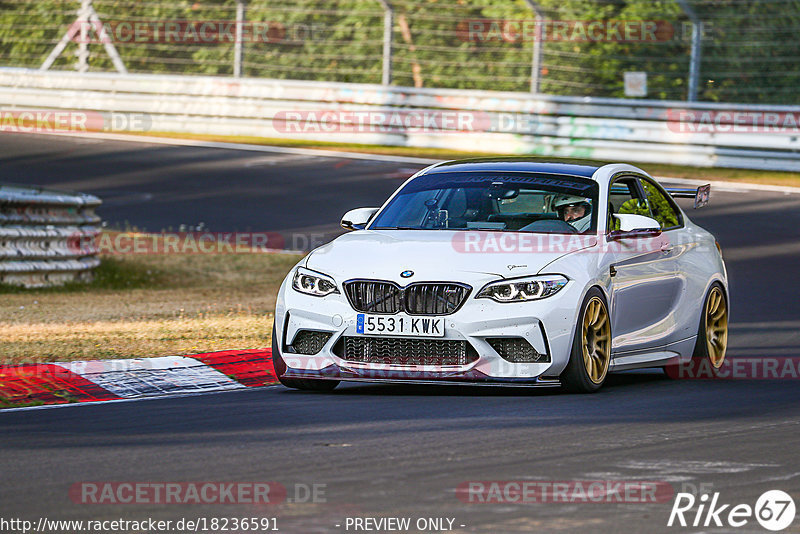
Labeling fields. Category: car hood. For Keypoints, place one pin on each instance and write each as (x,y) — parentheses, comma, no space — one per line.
(441,255)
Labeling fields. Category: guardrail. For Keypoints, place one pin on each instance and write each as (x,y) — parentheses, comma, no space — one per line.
(565,127)
(47,237)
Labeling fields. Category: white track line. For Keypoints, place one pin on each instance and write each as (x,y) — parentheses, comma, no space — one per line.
(250,148)
(137,399)
(735,187)
(732,187)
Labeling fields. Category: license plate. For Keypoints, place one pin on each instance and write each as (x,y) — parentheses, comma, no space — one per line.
(399,325)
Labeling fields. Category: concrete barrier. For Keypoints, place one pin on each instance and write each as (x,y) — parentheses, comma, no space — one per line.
(698,134)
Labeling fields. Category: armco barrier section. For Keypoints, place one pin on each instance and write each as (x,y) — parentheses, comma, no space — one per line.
(501,122)
(47,237)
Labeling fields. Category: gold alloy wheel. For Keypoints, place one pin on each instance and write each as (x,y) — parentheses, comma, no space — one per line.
(716,323)
(596,342)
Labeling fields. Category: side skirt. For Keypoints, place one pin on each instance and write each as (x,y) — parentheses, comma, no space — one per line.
(673,353)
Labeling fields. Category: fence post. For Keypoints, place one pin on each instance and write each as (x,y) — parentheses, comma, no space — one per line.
(697,48)
(538,47)
(83,45)
(238,47)
(87,17)
(388,26)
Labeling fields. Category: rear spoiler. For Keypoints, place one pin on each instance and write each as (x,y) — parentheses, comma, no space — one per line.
(700,195)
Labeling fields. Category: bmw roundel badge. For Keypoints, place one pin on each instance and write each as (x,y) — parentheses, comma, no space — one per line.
(407,274)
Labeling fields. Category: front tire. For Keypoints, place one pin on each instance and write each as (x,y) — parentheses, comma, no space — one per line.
(306,384)
(590,357)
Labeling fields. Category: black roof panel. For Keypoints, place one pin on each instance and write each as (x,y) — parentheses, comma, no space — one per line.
(513,165)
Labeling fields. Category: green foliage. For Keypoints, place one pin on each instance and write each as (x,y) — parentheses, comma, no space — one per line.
(660,207)
(632,207)
(749,48)
(112,274)
(751,51)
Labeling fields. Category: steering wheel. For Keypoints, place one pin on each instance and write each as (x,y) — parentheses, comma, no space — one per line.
(550,226)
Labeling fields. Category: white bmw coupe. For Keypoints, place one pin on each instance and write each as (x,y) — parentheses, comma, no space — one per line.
(506,272)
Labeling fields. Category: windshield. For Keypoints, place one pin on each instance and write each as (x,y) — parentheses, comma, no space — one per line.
(512,202)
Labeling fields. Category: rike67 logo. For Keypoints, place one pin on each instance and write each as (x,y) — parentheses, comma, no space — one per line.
(774,510)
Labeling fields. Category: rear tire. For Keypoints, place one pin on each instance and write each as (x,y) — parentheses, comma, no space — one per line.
(306,384)
(712,336)
(590,357)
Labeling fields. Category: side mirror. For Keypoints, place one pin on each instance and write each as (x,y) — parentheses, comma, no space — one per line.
(635,226)
(358,218)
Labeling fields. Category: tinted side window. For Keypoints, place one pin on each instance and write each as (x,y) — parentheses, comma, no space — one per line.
(660,206)
(622,198)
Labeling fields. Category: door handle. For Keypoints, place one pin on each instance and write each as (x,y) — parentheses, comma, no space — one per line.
(612,271)
(667,250)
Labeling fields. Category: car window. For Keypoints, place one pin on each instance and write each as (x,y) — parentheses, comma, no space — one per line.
(623,197)
(496,201)
(416,211)
(661,208)
(528,201)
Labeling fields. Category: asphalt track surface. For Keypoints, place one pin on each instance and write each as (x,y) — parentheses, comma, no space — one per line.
(383,450)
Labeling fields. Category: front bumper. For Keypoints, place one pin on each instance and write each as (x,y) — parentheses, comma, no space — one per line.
(547,325)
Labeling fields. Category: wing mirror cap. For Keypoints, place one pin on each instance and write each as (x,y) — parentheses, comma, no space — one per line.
(635,226)
(358,218)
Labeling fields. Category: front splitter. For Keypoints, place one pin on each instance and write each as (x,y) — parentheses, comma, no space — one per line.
(402,376)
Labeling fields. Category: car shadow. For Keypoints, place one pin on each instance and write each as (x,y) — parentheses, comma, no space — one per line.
(626,379)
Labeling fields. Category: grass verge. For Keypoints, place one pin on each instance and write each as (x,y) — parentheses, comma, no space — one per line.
(656,169)
(148,305)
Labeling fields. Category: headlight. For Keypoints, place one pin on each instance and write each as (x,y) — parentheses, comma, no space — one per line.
(522,289)
(313,283)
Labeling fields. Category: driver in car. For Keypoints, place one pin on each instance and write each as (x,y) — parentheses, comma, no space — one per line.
(576,211)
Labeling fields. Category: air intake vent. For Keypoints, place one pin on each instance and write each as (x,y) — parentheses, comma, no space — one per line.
(517,350)
(374,296)
(434,299)
(309,342)
(405,351)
